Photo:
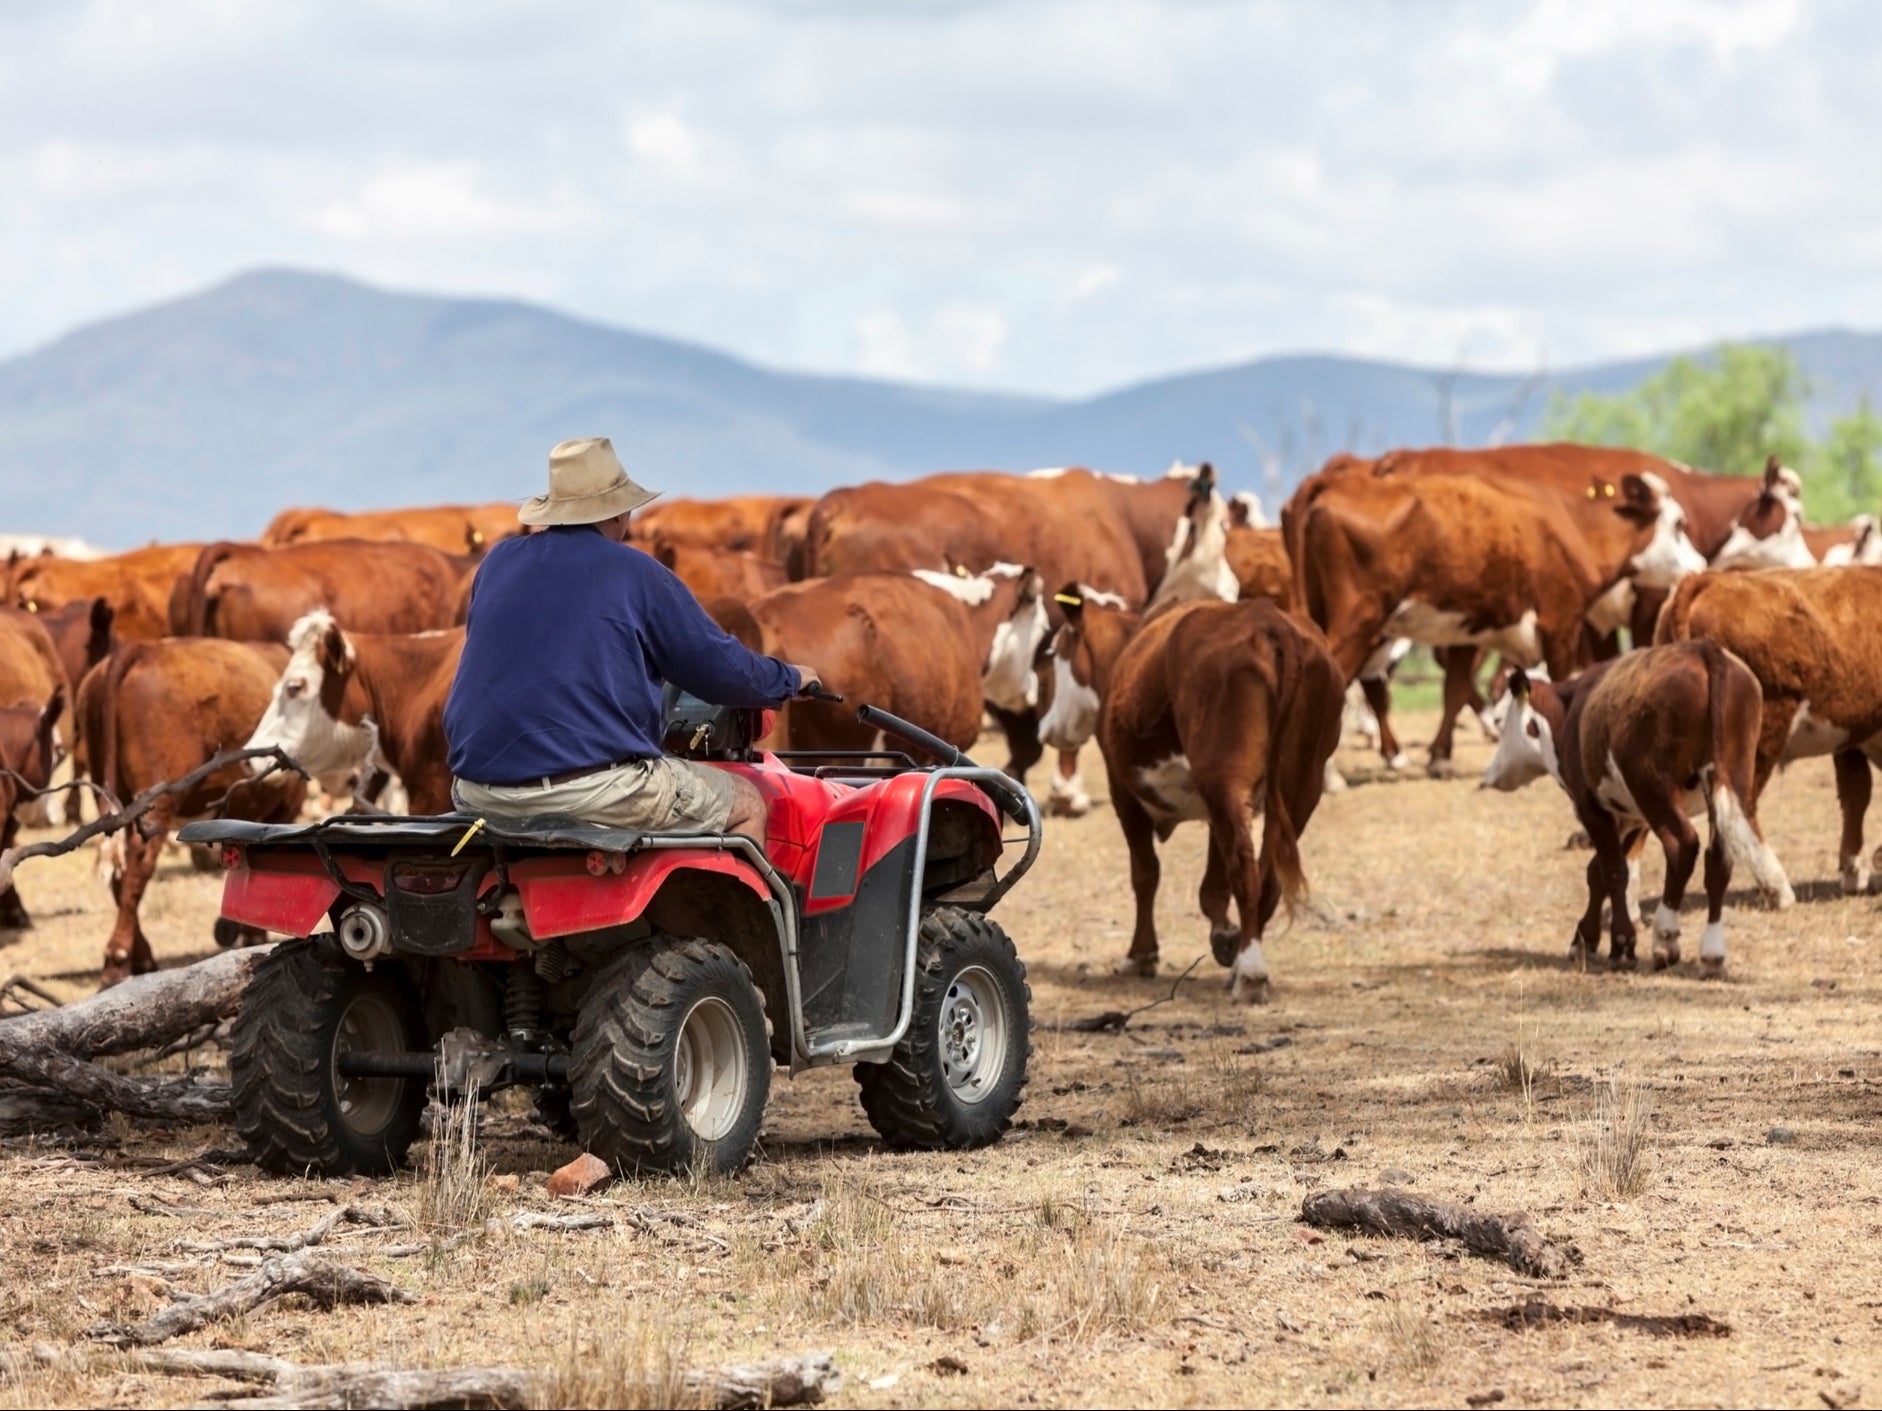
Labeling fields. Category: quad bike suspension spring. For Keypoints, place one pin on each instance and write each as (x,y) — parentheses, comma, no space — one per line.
(553,961)
(523,1000)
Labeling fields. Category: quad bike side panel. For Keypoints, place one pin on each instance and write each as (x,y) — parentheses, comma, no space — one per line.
(288,891)
(561,896)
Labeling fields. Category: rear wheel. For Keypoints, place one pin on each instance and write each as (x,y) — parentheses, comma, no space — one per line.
(957,1076)
(671,1063)
(305,1007)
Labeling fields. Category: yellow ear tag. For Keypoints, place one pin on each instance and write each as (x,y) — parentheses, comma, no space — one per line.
(1068,599)
(1609,491)
(469,833)
(960,571)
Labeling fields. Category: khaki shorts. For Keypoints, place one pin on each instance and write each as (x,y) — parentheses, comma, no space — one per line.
(664,795)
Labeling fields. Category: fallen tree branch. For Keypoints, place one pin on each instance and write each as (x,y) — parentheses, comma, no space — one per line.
(123,818)
(48,1050)
(1116,1021)
(374,1217)
(328,1285)
(1395,1211)
(11,991)
(783,1381)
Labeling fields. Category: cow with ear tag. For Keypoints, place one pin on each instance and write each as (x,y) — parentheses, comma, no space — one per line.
(1641,744)
(1210,711)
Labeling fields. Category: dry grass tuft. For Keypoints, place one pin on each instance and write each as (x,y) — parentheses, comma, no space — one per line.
(1523,1066)
(1409,1336)
(642,1366)
(453,1193)
(1616,1158)
(1103,1285)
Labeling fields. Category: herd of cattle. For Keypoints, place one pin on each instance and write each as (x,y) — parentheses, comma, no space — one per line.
(1210,656)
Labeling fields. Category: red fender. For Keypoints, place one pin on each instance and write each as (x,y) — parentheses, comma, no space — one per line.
(562,897)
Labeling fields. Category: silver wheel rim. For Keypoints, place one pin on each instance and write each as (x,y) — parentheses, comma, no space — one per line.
(710,1063)
(973,1034)
(368,1024)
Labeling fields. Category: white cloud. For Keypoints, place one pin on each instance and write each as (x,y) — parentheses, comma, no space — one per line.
(1008,195)
(436,200)
(665,141)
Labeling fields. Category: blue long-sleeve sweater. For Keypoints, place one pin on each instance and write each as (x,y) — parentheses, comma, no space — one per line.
(569,638)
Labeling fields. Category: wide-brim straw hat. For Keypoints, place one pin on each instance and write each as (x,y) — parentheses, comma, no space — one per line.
(587,484)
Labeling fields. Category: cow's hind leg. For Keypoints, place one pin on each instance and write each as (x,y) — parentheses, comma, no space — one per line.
(128,951)
(1680,842)
(1586,944)
(1140,836)
(1460,688)
(1611,848)
(1718,877)
(1225,937)
(1378,693)
(1853,788)
(1229,796)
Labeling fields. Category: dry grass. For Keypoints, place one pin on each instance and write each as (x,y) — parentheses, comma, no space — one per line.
(1428,1022)
(454,1174)
(1617,1154)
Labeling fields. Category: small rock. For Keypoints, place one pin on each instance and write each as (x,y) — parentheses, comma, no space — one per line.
(580,1176)
(1394,1176)
(508,1181)
(1485,1398)
(1841,1395)
(885,1382)
(948,1367)
(1240,1194)
(1781,1136)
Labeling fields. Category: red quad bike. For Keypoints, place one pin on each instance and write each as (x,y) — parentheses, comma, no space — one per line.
(645,983)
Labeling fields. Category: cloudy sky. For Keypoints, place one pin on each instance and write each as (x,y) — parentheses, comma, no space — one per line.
(1040,195)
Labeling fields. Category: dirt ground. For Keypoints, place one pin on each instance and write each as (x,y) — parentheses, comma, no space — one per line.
(1705,1147)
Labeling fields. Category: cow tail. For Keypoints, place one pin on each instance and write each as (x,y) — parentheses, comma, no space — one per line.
(1289,748)
(1726,809)
(198,618)
(1675,622)
(104,752)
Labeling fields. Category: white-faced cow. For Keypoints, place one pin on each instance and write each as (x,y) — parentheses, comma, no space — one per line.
(1205,711)
(1641,744)
(1771,533)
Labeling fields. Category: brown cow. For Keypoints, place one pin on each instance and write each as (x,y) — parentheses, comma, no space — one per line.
(1258,559)
(1204,710)
(454,529)
(1808,635)
(1771,533)
(247,593)
(151,712)
(1641,744)
(771,526)
(81,632)
(930,651)
(359,702)
(718,573)
(1461,560)
(138,585)
(33,693)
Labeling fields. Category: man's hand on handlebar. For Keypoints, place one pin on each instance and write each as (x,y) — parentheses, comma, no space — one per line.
(810,684)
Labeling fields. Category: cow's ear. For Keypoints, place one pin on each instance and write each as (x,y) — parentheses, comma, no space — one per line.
(336,653)
(1072,600)
(664,552)
(1773,471)
(1031,586)
(1639,494)
(102,616)
(1519,685)
(1205,478)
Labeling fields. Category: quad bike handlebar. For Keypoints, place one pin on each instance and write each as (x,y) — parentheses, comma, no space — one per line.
(1009,796)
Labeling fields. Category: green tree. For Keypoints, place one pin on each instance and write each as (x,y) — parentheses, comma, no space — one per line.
(1843,475)
(1725,413)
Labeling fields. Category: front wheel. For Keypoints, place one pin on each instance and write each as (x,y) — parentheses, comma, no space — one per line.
(305,1006)
(671,1064)
(956,1078)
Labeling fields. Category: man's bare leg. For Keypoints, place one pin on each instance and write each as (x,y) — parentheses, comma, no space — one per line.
(748,810)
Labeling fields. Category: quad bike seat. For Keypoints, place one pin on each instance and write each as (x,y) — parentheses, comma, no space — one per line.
(549,830)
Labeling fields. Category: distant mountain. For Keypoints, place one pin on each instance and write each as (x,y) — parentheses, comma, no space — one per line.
(202,417)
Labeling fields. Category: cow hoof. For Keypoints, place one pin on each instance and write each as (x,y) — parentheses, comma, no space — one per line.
(1142,966)
(1781,900)
(1711,967)
(228,934)
(117,970)
(1068,806)
(1442,769)
(1665,957)
(1398,761)
(1626,960)
(1223,945)
(1578,841)
(1243,990)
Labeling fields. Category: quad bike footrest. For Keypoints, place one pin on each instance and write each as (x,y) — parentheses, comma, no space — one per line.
(520,1067)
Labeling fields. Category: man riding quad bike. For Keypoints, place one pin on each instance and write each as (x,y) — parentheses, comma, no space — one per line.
(639,933)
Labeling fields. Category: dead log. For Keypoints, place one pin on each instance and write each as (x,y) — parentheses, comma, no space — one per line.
(328,1285)
(784,1381)
(47,1051)
(1395,1211)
